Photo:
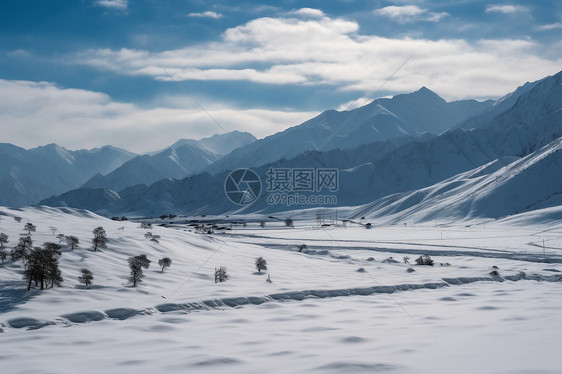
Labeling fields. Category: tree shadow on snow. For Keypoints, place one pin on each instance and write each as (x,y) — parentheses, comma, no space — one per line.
(12,294)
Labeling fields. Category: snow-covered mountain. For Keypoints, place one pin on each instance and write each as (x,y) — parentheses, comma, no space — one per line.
(368,172)
(500,188)
(27,176)
(383,119)
(183,158)
(497,108)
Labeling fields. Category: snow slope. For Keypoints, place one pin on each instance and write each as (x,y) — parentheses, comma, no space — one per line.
(339,306)
(500,188)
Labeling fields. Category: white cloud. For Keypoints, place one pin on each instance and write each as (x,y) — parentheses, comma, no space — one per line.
(552,26)
(307,12)
(207,14)
(409,13)
(38,113)
(400,12)
(113,4)
(506,9)
(330,51)
(362,101)
(435,17)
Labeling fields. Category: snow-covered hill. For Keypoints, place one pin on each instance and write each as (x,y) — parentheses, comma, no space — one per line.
(346,303)
(504,187)
(27,176)
(183,158)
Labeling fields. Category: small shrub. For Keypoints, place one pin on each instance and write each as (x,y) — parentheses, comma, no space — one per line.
(424,260)
(220,274)
(289,222)
(410,270)
(86,278)
(151,237)
(406,259)
(72,241)
(30,227)
(164,263)
(261,264)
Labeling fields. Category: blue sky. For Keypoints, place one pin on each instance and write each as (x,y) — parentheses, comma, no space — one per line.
(85,73)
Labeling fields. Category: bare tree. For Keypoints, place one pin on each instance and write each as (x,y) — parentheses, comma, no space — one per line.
(61,237)
(72,241)
(406,259)
(3,240)
(23,248)
(87,277)
(151,237)
(262,224)
(53,229)
(136,264)
(220,274)
(164,263)
(30,227)
(145,225)
(99,239)
(261,264)
(43,266)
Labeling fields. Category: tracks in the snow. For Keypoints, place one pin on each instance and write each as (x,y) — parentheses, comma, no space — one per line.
(236,302)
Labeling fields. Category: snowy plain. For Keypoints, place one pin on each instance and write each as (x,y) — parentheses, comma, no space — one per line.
(344,304)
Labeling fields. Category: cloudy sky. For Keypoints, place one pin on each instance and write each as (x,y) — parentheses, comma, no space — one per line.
(141,74)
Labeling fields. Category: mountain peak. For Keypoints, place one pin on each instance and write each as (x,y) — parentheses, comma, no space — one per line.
(426,92)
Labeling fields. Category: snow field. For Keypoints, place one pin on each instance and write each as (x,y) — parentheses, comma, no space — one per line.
(320,314)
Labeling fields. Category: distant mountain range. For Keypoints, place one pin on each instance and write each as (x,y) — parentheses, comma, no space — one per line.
(183,158)
(408,115)
(503,134)
(28,176)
